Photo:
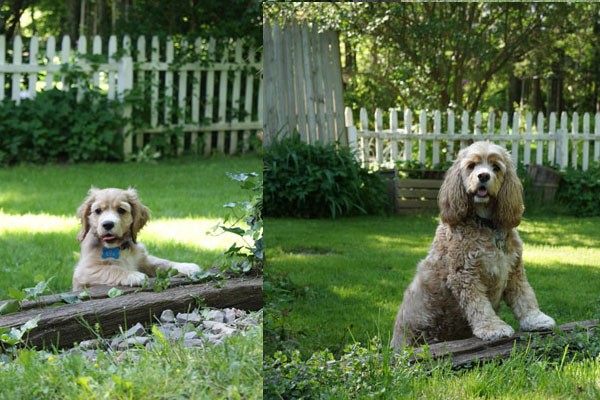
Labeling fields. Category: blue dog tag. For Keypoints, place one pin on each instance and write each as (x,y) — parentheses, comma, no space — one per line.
(110,253)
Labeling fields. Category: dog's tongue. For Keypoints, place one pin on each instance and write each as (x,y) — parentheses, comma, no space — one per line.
(482,192)
(108,238)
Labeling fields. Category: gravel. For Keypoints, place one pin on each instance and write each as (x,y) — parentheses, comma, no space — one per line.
(194,329)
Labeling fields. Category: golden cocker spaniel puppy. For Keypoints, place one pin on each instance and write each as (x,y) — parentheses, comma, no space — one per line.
(475,260)
(110,253)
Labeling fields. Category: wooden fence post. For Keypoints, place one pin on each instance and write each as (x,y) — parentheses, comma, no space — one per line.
(125,72)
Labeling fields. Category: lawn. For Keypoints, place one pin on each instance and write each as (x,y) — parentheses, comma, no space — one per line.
(38,226)
(38,241)
(342,282)
(352,272)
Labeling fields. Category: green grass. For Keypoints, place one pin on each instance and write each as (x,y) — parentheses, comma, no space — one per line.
(231,370)
(343,281)
(38,204)
(37,238)
(354,272)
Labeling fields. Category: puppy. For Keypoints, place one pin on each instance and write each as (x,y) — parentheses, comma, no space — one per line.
(475,260)
(110,254)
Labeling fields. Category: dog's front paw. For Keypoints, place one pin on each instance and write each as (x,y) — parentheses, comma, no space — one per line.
(187,268)
(493,330)
(536,321)
(135,278)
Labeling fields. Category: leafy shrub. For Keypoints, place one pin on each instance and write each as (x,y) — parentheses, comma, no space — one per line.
(244,219)
(318,181)
(580,191)
(55,127)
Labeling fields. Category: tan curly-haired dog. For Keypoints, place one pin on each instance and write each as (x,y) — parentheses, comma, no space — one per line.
(475,260)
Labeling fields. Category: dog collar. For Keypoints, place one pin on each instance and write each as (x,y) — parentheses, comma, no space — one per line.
(114,252)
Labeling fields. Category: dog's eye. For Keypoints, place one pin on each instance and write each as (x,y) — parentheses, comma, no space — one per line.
(496,168)
(121,210)
(98,211)
(471,166)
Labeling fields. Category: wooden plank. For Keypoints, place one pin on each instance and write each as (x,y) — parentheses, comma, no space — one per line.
(420,183)
(418,193)
(417,204)
(64,325)
(466,351)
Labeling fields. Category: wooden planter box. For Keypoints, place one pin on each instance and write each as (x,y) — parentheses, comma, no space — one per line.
(545,183)
(411,196)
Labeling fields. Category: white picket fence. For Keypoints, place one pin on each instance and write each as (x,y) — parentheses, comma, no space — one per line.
(215,102)
(565,141)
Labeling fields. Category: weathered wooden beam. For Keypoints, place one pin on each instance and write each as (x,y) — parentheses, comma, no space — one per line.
(465,351)
(63,325)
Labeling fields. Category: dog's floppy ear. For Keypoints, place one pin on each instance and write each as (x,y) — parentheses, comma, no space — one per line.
(452,199)
(510,197)
(84,211)
(139,212)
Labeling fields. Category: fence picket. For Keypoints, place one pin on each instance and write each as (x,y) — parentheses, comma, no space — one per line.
(16,76)
(586,144)
(450,142)
(32,78)
(539,142)
(597,140)
(464,128)
(393,128)
(187,88)
(574,139)
(422,132)
(2,62)
(408,128)
(437,129)
(503,128)
(552,145)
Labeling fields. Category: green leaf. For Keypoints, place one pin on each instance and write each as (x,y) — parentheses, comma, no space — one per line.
(236,230)
(10,306)
(16,294)
(70,298)
(114,292)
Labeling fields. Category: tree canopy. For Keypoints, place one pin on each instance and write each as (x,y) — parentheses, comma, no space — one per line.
(191,18)
(473,56)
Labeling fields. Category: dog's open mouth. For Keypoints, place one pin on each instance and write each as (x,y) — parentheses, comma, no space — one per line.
(481,192)
(109,238)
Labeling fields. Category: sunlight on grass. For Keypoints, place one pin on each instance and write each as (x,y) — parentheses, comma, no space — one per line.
(194,232)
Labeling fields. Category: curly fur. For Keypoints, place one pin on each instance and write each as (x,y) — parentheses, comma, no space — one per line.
(111,219)
(475,260)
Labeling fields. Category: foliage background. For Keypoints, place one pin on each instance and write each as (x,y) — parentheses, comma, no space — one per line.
(473,56)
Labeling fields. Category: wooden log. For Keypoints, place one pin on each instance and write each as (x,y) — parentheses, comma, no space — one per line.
(64,325)
(465,351)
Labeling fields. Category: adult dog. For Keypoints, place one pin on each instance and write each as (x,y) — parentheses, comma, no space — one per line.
(110,255)
(475,260)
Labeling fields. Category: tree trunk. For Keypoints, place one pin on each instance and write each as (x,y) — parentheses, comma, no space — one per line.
(66,324)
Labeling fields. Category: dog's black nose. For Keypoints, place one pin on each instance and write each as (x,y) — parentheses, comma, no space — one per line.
(483,177)
(108,225)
